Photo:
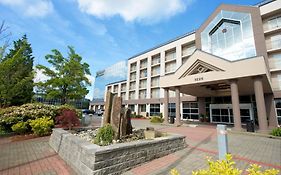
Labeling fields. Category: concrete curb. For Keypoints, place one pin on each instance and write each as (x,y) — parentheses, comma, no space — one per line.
(255,134)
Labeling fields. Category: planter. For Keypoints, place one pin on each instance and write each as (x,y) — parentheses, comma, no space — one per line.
(87,158)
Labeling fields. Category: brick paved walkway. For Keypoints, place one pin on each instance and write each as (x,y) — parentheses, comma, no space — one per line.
(30,157)
(202,142)
(35,156)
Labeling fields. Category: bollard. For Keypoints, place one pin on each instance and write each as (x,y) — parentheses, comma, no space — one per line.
(222,141)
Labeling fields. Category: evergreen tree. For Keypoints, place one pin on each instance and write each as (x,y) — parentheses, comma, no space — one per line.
(67,76)
(16,74)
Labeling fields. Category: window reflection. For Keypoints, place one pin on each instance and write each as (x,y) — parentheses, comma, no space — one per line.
(230,36)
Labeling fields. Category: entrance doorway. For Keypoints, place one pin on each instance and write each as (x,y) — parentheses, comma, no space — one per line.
(223,113)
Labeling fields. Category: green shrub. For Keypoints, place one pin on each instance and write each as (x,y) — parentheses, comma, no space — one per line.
(42,126)
(276,132)
(13,115)
(20,127)
(104,135)
(156,119)
(227,167)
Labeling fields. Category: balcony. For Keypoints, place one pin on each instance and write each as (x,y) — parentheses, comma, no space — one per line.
(155,61)
(187,51)
(274,46)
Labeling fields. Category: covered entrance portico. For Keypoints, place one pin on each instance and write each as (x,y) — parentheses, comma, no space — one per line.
(205,75)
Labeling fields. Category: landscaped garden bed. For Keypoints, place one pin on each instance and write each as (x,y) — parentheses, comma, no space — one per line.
(88,158)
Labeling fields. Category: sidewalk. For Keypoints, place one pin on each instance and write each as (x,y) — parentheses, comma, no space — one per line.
(202,142)
(30,157)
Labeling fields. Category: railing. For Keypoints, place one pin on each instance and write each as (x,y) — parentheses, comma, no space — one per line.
(155,61)
(170,56)
(188,51)
(274,44)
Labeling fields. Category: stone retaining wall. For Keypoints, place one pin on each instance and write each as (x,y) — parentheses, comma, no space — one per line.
(87,158)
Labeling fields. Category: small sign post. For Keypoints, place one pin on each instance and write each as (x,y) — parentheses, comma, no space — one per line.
(222,141)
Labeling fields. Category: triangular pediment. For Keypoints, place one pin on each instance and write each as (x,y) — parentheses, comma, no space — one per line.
(199,67)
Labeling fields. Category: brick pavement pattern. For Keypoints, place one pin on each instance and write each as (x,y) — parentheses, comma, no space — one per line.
(35,157)
(30,157)
(202,142)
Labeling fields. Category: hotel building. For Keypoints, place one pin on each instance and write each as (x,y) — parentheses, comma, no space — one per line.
(229,70)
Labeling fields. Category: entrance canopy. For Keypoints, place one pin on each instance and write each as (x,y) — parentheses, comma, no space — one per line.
(205,75)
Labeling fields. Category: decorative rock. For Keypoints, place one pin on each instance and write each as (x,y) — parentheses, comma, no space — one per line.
(115,119)
(107,111)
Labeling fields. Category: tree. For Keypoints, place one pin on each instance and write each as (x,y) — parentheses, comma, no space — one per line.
(67,76)
(16,74)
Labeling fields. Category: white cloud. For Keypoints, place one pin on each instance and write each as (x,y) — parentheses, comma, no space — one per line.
(134,10)
(30,8)
(39,76)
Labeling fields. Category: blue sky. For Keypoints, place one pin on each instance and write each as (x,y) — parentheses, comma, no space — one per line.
(104,32)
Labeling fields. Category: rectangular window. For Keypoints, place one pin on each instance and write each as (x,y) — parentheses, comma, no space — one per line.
(170,55)
(172,110)
(142,108)
(155,59)
(188,49)
(278,110)
(274,23)
(142,94)
(155,71)
(133,67)
(155,93)
(142,84)
(132,95)
(143,73)
(155,82)
(143,63)
(170,67)
(132,107)
(154,109)
(190,110)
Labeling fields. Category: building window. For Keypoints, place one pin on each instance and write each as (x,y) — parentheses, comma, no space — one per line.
(132,108)
(143,73)
(132,95)
(143,63)
(155,71)
(142,108)
(142,84)
(155,82)
(132,85)
(133,67)
(170,67)
(274,22)
(188,49)
(154,109)
(142,94)
(123,95)
(133,76)
(170,55)
(155,93)
(274,42)
(278,110)
(230,35)
(172,109)
(155,59)
(190,111)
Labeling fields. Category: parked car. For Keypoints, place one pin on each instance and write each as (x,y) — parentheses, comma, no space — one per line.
(100,112)
(87,111)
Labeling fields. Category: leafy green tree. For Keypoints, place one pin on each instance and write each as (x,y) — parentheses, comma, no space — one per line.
(16,74)
(67,76)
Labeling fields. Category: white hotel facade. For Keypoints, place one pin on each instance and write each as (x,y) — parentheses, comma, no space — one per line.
(229,69)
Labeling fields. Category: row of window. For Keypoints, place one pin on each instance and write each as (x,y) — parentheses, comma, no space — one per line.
(187,50)
(190,110)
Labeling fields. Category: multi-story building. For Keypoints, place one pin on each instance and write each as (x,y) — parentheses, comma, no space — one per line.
(229,69)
